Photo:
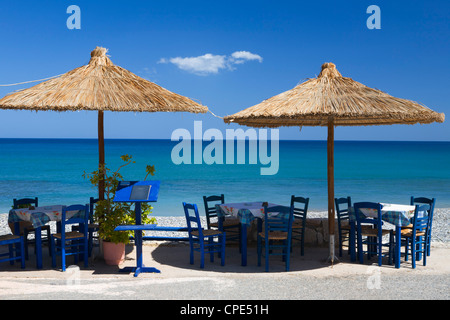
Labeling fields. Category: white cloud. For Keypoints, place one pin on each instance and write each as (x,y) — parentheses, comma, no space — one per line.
(245,55)
(210,63)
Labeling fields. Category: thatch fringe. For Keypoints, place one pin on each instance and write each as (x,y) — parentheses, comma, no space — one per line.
(100,85)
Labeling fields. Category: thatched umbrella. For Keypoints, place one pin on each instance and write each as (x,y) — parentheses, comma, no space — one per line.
(101,86)
(333,100)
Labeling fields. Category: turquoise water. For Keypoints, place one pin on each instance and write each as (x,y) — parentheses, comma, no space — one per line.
(52,169)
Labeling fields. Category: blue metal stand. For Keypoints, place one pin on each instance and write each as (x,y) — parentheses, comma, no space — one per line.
(124,193)
(138,243)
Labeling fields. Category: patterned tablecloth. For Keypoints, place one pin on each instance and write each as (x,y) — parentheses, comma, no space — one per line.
(40,216)
(396,214)
(245,211)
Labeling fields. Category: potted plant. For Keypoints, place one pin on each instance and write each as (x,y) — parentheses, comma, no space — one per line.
(108,214)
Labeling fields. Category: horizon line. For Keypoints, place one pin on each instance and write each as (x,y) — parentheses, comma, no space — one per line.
(165,139)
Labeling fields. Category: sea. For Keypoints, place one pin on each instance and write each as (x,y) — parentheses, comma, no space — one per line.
(379,171)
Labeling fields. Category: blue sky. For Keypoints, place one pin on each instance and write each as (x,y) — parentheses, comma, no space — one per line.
(228,55)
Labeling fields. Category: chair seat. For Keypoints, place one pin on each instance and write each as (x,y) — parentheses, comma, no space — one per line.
(369,232)
(33,229)
(7,237)
(70,235)
(207,233)
(408,233)
(275,235)
(363,227)
(227,223)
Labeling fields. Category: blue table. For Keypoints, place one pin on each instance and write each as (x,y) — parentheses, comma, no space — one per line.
(246,212)
(38,217)
(396,214)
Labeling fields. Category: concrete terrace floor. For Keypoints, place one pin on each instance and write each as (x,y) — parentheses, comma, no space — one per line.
(310,278)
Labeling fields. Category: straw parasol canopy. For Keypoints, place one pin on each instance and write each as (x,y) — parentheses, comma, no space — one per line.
(101,86)
(333,100)
(330,95)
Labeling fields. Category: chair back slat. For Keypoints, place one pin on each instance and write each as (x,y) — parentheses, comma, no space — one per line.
(360,217)
(210,206)
(192,217)
(342,208)
(25,203)
(420,220)
(431,204)
(300,207)
(82,217)
(281,222)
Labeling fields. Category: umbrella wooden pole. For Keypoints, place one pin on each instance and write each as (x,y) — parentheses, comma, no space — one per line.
(330,172)
(101,156)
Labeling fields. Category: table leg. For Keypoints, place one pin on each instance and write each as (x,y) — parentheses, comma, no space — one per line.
(38,239)
(17,232)
(398,245)
(352,242)
(244,244)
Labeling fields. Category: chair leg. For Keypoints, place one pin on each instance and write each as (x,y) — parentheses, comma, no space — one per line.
(303,243)
(90,242)
(53,249)
(191,254)
(22,256)
(86,252)
(288,257)
(259,250)
(11,254)
(48,241)
(266,243)
(406,249)
(25,237)
(75,245)
(63,256)
(380,251)
(360,251)
(223,249)
(211,249)
(202,254)
(425,255)
(340,244)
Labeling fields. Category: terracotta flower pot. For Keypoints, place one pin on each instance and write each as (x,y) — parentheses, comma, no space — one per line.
(113,253)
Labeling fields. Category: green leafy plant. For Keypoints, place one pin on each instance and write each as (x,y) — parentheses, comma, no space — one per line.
(109,214)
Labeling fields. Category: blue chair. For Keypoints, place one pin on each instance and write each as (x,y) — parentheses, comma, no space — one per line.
(343,207)
(201,240)
(300,206)
(74,242)
(374,236)
(11,240)
(92,227)
(230,225)
(26,227)
(416,237)
(431,203)
(276,234)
